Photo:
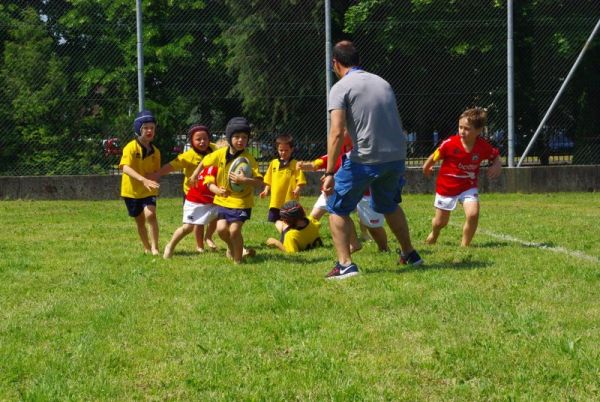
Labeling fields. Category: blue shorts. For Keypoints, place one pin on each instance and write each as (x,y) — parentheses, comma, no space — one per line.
(135,206)
(274,215)
(385,181)
(233,214)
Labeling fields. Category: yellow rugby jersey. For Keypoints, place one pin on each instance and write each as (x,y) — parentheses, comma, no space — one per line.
(187,163)
(295,240)
(283,181)
(239,200)
(143,162)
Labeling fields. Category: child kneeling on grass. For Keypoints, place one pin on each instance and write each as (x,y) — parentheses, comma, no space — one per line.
(298,232)
(461,157)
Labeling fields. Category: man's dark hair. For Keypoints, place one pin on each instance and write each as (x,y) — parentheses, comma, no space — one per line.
(346,54)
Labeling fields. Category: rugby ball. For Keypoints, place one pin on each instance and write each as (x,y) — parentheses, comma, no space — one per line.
(240,165)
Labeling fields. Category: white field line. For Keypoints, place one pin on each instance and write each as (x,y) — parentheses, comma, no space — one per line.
(559,249)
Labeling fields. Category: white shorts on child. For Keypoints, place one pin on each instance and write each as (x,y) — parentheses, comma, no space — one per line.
(198,214)
(367,215)
(449,203)
(321,202)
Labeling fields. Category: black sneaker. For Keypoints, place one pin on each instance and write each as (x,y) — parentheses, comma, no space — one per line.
(413,258)
(341,272)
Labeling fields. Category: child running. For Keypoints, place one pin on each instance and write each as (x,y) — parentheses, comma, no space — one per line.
(298,232)
(200,146)
(461,157)
(139,160)
(283,179)
(198,208)
(234,207)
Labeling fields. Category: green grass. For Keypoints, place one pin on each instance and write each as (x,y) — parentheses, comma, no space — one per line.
(86,316)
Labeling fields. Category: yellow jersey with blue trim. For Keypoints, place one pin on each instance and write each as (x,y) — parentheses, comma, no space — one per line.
(187,162)
(283,179)
(238,200)
(143,161)
(295,240)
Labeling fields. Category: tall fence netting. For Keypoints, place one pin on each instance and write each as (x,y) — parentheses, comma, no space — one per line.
(68,75)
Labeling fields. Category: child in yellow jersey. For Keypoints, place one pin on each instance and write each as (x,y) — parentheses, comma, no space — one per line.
(283,179)
(298,232)
(200,146)
(233,207)
(139,160)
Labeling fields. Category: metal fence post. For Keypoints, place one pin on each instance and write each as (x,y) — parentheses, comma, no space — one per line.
(140,54)
(560,92)
(510,71)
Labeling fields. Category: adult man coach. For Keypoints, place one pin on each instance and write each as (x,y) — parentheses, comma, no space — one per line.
(365,104)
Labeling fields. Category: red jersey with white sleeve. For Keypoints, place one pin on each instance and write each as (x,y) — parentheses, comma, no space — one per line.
(200,194)
(460,168)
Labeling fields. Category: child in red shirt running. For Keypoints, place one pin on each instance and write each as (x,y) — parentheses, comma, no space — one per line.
(198,208)
(461,157)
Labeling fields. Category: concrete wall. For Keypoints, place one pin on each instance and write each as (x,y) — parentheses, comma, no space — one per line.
(522,180)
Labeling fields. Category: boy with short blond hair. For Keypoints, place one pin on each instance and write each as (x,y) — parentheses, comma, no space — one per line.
(283,179)
(461,157)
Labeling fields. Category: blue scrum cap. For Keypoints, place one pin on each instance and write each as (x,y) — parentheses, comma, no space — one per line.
(145,116)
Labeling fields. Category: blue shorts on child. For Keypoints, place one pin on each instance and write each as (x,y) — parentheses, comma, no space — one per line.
(135,206)
(234,214)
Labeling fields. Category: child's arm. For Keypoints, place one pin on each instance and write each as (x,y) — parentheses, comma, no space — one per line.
(265,192)
(193,180)
(242,179)
(306,166)
(271,242)
(495,168)
(164,170)
(148,183)
(296,191)
(428,166)
(222,191)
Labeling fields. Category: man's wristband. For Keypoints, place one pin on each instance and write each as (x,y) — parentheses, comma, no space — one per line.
(329,174)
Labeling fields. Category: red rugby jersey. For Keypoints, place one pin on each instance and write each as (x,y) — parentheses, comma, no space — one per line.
(200,193)
(460,168)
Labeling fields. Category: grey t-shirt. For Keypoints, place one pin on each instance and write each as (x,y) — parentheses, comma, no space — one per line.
(372,117)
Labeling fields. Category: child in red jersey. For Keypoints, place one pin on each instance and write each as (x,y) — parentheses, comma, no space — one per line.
(461,157)
(198,208)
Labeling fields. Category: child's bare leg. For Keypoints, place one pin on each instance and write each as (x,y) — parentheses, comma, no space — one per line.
(471,222)
(317,213)
(140,223)
(223,232)
(199,236)
(179,234)
(150,212)
(236,240)
(439,221)
(364,232)
(380,237)
(210,230)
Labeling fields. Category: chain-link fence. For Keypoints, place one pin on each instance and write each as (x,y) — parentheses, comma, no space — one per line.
(68,80)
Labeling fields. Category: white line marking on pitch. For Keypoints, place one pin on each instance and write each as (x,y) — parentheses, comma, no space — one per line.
(559,249)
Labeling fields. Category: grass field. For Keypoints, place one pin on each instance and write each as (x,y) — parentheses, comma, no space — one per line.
(86,316)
